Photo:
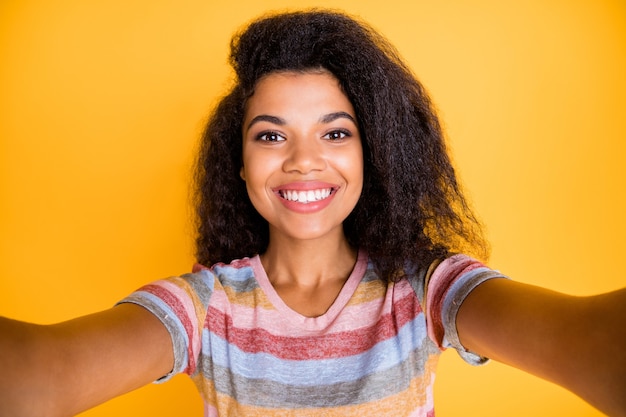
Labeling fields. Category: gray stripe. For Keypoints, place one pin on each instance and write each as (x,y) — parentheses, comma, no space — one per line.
(416,280)
(370,275)
(271,394)
(174,327)
(201,283)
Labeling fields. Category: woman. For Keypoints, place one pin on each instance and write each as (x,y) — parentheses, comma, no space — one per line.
(325,189)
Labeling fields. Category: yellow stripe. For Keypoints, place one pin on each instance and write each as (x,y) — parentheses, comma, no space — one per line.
(368,291)
(252,299)
(402,403)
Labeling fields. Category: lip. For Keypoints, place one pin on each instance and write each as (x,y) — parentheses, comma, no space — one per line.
(309,207)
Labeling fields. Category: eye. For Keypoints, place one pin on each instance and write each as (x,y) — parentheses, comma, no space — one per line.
(337,134)
(270,136)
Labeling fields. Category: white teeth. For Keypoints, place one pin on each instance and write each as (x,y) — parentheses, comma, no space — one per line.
(306,197)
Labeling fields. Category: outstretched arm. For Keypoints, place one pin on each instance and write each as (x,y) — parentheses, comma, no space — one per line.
(576,342)
(66,368)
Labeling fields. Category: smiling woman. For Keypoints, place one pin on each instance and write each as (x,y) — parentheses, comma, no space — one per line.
(302,143)
(303,168)
(333,259)
(403,158)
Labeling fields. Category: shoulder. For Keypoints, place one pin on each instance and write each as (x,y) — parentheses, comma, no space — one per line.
(458,269)
(198,286)
(239,274)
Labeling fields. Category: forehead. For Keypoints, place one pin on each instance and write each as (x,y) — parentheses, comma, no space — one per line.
(305,91)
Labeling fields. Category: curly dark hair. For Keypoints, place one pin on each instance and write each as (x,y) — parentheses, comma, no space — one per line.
(411,209)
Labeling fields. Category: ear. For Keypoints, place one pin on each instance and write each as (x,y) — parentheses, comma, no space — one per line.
(242,173)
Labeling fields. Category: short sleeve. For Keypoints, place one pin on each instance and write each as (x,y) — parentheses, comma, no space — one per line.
(180,303)
(450,283)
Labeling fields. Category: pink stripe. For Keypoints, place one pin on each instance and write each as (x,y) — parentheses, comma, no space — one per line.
(210,410)
(442,279)
(321,346)
(353,317)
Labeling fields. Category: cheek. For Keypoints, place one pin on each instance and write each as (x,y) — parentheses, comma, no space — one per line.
(255,191)
(358,173)
(255,172)
(352,165)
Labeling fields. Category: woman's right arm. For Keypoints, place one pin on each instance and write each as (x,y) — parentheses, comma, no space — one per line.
(63,369)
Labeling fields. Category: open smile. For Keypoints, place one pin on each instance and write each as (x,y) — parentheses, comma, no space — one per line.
(306,196)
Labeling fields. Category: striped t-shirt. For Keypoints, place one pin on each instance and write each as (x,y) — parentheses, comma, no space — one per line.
(373,353)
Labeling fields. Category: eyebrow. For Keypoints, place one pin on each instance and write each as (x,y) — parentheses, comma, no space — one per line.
(267,118)
(331,117)
(327,118)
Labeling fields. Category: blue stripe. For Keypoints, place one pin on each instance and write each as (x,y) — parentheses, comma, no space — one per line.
(382,356)
(234,274)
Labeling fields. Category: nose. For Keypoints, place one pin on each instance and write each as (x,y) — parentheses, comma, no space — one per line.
(305,154)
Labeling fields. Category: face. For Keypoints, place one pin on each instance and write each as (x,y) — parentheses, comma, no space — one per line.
(302,155)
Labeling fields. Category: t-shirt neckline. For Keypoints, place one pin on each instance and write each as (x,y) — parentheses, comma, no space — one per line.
(311,323)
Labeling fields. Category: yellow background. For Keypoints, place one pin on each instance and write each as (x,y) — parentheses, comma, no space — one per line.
(102,103)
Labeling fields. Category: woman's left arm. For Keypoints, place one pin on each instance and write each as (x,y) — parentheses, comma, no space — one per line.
(576,342)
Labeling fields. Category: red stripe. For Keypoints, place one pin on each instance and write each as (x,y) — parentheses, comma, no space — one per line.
(179,310)
(327,346)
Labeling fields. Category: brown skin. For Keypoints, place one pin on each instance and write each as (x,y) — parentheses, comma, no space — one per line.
(66,368)
(576,342)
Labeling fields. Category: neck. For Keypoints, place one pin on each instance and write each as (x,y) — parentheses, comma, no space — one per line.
(308,263)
